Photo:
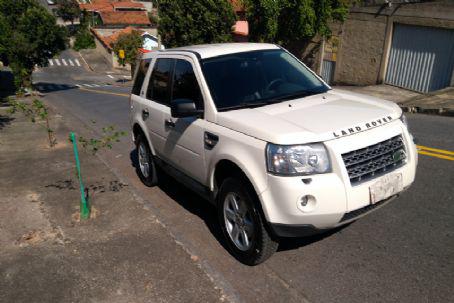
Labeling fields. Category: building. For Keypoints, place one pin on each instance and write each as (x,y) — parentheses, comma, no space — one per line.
(117,14)
(106,37)
(407,43)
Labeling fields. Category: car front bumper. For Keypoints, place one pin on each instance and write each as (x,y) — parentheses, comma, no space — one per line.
(335,201)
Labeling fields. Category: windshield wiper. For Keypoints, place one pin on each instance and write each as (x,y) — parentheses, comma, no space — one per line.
(264,102)
(245,105)
(291,96)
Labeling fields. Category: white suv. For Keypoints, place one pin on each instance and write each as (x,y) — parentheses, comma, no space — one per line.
(254,131)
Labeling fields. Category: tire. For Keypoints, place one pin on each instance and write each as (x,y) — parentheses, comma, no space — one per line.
(249,222)
(146,167)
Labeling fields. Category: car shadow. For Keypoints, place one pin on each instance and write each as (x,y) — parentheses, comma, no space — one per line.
(295,243)
(207,211)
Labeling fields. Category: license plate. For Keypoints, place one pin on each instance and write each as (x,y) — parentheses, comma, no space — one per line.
(385,187)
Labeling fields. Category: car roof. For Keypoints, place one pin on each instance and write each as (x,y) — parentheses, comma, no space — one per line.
(204,51)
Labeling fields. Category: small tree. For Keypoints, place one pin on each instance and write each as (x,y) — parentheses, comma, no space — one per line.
(68,10)
(29,36)
(35,111)
(130,44)
(293,23)
(84,40)
(195,22)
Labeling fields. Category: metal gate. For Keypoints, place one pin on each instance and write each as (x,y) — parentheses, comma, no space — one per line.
(421,58)
(328,71)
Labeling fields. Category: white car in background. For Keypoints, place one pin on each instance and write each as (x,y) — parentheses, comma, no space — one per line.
(270,144)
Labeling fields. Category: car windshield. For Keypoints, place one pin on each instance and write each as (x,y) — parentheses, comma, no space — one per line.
(258,78)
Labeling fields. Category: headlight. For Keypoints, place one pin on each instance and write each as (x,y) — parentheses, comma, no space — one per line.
(297,159)
(404,120)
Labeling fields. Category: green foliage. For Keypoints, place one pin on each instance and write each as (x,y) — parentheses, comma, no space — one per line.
(293,22)
(68,10)
(84,40)
(195,22)
(130,43)
(154,19)
(35,111)
(29,36)
(109,137)
(263,17)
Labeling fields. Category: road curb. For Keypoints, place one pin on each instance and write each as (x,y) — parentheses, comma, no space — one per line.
(440,111)
(85,61)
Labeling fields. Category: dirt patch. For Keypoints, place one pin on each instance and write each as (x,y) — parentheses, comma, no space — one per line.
(75,217)
(35,237)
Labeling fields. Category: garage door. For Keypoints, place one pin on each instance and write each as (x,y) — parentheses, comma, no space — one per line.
(421,58)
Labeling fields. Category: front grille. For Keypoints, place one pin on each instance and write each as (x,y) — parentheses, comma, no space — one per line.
(369,162)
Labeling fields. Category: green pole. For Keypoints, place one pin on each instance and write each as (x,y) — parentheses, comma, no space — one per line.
(84,206)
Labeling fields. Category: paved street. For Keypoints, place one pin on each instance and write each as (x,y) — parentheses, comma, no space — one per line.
(403,252)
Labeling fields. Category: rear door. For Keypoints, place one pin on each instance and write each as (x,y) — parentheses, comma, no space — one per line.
(158,102)
(138,103)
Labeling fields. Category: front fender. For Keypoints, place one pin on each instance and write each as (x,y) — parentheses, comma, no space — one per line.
(244,151)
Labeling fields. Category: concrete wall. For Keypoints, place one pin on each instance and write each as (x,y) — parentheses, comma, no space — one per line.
(366,37)
(104,51)
(360,50)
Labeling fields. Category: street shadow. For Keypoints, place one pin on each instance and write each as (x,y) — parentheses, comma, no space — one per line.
(207,211)
(7,87)
(4,121)
(123,80)
(45,87)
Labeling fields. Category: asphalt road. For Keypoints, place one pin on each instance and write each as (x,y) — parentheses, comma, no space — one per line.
(403,252)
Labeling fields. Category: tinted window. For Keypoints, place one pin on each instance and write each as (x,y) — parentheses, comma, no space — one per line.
(140,76)
(258,78)
(185,85)
(159,87)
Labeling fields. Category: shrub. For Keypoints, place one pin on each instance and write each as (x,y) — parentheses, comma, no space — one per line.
(84,40)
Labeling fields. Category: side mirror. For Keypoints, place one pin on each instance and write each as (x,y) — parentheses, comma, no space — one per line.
(181,108)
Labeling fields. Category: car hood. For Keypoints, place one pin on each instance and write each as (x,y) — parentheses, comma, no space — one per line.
(317,118)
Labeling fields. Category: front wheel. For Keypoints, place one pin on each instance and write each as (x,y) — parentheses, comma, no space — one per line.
(243,224)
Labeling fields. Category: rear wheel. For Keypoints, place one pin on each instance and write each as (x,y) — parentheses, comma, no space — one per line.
(146,168)
(242,223)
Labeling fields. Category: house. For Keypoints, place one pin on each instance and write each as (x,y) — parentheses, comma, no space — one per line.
(106,37)
(124,18)
(117,14)
(405,43)
(240,30)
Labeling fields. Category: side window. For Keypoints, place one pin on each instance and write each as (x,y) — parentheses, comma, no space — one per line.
(140,76)
(159,86)
(185,85)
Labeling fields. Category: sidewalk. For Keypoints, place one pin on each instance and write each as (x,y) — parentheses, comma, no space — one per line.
(438,102)
(122,254)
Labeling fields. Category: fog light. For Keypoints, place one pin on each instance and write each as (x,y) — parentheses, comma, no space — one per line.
(306,203)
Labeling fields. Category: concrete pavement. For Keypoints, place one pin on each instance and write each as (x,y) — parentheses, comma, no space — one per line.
(122,254)
(439,102)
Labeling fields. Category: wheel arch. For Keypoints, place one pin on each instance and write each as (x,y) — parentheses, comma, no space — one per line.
(137,130)
(225,168)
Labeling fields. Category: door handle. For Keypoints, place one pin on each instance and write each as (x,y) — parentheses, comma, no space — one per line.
(169,123)
(145,114)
